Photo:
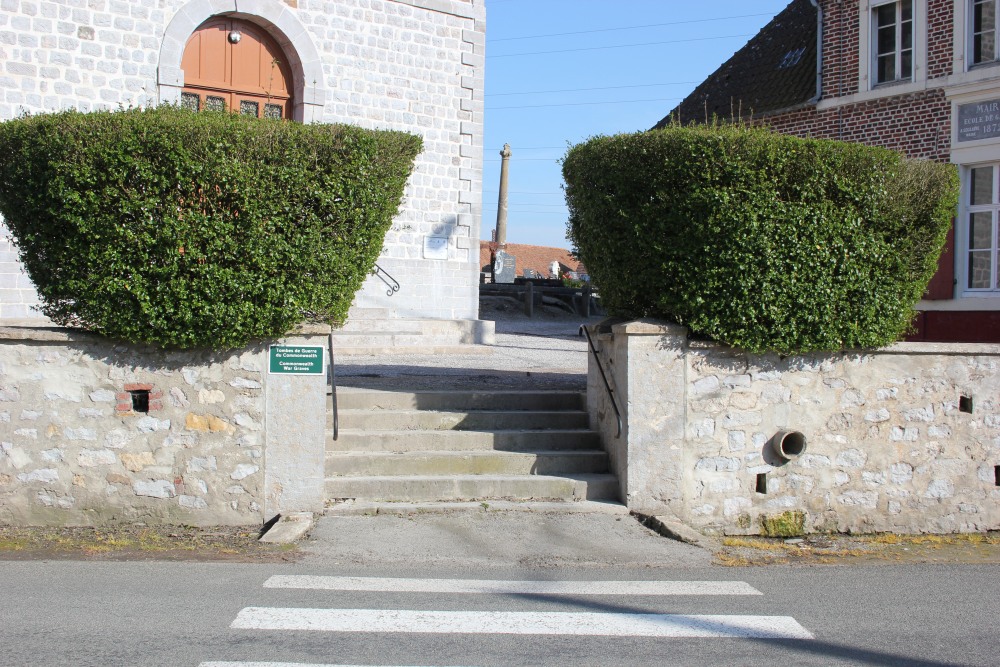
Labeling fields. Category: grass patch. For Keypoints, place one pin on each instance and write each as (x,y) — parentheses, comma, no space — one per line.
(751,543)
(140,542)
(820,549)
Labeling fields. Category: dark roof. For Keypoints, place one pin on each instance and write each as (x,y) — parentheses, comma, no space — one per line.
(776,70)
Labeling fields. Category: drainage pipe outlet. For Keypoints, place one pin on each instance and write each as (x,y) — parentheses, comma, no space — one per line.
(789,445)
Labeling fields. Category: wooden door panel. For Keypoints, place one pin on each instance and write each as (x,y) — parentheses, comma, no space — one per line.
(206,58)
(246,63)
(254,69)
(274,75)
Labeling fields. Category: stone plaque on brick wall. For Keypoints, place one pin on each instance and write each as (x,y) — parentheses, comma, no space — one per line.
(979,120)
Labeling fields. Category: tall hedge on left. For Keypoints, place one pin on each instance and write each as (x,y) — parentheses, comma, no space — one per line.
(186,229)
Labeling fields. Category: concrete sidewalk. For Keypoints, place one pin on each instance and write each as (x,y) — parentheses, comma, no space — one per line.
(529,353)
(487,538)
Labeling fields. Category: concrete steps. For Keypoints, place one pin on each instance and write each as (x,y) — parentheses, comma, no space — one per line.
(437,488)
(380,464)
(371,332)
(454,446)
(470,420)
(463,441)
(459,400)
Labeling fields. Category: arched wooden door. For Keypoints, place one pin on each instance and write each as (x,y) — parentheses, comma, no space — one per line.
(233,64)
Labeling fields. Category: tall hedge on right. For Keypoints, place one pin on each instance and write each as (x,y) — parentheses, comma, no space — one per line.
(757,240)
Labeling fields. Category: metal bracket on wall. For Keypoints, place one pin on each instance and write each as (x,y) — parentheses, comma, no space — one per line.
(384,276)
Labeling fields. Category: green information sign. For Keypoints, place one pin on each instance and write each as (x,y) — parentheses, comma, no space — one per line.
(297,360)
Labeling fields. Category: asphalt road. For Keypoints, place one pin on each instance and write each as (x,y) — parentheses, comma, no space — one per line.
(200,614)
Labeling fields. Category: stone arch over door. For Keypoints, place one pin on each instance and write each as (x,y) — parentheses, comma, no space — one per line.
(308,93)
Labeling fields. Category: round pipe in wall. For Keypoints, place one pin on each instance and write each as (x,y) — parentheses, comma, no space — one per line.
(789,445)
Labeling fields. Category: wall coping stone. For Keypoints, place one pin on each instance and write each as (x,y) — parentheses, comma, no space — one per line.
(48,334)
(67,334)
(651,327)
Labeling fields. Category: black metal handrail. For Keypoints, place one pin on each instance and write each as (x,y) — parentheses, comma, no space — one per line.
(333,391)
(384,276)
(607,386)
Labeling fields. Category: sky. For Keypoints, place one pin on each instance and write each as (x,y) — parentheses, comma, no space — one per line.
(561,71)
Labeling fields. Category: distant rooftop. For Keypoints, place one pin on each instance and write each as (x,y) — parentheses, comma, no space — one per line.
(775,71)
(535,257)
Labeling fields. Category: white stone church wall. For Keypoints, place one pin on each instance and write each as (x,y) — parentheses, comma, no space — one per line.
(412,65)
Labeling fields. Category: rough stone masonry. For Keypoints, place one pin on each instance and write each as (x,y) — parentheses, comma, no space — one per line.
(905,439)
(74,451)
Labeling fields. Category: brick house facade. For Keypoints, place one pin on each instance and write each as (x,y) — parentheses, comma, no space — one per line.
(918,76)
(412,65)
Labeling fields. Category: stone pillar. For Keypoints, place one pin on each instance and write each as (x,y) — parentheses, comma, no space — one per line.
(647,369)
(295,420)
(501,237)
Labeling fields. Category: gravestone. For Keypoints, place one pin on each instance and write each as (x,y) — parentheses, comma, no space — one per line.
(504,267)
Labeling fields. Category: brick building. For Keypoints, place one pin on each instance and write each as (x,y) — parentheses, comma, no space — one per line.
(412,65)
(918,76)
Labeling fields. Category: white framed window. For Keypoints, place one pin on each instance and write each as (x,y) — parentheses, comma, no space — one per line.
(978,230)
(982,32)
(892,42)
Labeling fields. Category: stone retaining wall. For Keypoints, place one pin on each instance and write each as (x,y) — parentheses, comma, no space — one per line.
(74,451)
(905,439)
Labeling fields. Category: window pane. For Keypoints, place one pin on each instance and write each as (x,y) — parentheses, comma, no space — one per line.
(984,31)
(906,10)
(981,186)
(885,15)
(248,108)
(980,231)
(984,15)
(886,69)
(272,111)
(980,269)
(887,40)
(213,103)
(906,65)
(982,49)
(979,9)
(191,101)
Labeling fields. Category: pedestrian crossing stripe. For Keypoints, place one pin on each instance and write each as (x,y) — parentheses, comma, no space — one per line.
(496,587)
(278,664)
(521,623)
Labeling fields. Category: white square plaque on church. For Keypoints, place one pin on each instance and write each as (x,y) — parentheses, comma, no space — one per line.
(436,247)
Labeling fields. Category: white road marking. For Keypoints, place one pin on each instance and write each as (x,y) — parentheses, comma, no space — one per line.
(486,586)
(522,623)
(276,664)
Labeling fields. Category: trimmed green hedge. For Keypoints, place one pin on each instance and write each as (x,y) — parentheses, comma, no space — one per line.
(761,241)
(197,229)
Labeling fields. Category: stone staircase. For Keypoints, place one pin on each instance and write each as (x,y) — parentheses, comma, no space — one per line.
(371,332)
(435,446)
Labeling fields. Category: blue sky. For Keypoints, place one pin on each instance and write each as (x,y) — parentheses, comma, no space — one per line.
(624,66)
